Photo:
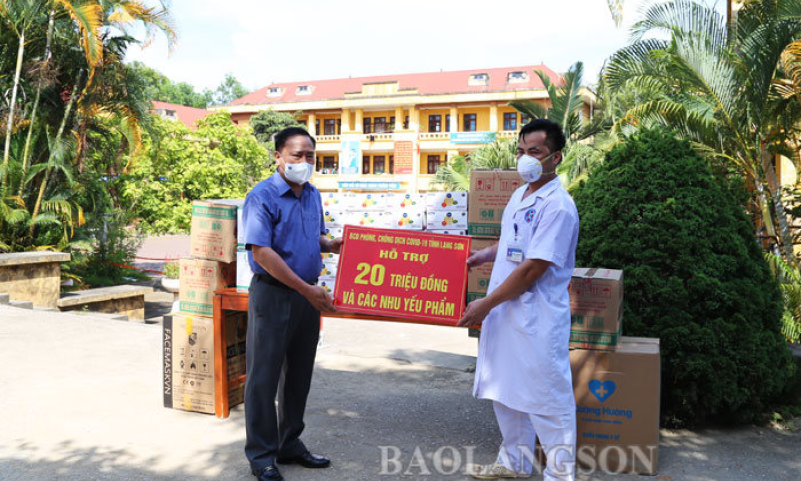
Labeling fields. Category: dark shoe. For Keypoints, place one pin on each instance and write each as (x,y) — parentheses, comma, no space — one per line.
(270,473)
(307,460)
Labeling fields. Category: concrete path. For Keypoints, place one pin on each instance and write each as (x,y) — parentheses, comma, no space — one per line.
(80,400)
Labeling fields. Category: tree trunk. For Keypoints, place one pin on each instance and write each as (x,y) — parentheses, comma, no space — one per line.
(61,129)
(34,111)
(9,127)
(775,188)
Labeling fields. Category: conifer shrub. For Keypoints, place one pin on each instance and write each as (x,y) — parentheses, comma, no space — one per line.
(694,276)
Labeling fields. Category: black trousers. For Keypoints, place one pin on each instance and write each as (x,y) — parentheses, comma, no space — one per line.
(283,330)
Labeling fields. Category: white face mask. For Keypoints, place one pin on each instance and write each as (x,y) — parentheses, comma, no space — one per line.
(298,173)
(530,168)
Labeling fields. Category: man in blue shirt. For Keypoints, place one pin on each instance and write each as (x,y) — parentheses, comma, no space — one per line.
(283,224)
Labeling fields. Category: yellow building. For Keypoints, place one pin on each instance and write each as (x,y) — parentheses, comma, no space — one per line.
(391,133)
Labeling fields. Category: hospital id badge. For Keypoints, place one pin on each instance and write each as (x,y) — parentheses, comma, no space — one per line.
(514,252)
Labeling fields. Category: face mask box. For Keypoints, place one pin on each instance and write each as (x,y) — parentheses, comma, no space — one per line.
(188,361)
(213,234)
(596,308)
(490,191)
(406,202)
(329,269)
(406,220)
(243,272)
(334,219)
(334,200)
(456,220)
(478,278)
(617,406)
(333,233)
(199,279)
(446,201)
(330,258)
(327,283)
(369,202)
(367,219)
(447,231)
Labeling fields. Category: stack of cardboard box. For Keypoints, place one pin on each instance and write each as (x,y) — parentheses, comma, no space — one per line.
(616,379)
(188,334)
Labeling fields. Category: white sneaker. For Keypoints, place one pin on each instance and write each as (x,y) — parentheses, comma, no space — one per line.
(494,471)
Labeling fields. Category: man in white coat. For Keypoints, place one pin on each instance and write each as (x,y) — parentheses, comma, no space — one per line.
(523,359)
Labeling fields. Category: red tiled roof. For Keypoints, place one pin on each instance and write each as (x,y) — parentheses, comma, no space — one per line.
(186,115)
(425,83)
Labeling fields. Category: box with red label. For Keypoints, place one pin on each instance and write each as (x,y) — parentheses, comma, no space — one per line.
(199,279)
(213,234)
(490,191)
(596,308)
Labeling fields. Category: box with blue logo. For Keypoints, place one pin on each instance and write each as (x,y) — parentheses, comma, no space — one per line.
(617,406)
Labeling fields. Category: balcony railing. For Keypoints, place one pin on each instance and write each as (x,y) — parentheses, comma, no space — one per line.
(377,137)
(435,136)
(327,138)
(507,134)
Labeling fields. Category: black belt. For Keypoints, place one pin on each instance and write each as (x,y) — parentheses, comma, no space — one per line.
(269,279)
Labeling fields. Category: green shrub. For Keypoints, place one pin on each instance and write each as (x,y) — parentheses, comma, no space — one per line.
(694,277)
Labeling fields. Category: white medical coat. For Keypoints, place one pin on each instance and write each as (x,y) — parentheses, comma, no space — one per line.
(523,357)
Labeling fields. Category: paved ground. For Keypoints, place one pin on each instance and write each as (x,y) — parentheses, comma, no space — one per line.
(81,401)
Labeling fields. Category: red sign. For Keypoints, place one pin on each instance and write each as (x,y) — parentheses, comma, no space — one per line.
(400,273)
(404,157)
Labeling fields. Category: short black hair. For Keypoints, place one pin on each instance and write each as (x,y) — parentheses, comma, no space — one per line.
(554,137)
(281,137)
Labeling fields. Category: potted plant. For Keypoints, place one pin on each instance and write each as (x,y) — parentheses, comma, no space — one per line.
(171,282)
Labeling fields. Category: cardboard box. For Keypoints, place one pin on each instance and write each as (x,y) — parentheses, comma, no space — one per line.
(596,308)
(406,202)
(367,218)
(369,202)
(456,220)
(329,257)
(334,219)
(329,269)
(327,283)
(213,234)
(446,201)
(243,272)
(490,191)
(478,278)
(447,231)
(333,233)
(199,279)
(617,406)
(406,219)
(333,200)
(188,361)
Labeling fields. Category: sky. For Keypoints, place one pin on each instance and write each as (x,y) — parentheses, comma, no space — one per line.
(261,42)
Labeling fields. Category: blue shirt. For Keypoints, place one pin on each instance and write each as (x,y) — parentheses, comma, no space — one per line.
(274,217)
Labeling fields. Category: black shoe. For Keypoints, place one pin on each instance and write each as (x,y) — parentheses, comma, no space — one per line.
(307,460)
(270,473)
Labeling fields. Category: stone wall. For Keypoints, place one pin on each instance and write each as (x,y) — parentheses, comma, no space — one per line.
(32,276)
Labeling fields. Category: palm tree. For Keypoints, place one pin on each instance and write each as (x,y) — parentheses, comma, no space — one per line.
(717,88)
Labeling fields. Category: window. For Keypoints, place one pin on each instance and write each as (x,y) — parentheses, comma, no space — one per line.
(391,164)
(448,124)
(380,124)
(517,77)
(317,126)
(478,79)
(330,164)
(275,92)
(366,164)
(469,123)
(406,123)
(367,125)
(303,90)
(433,164)
(378,164)
(330,127)
(391,126)
(510,121)
(435,123)
(339,126)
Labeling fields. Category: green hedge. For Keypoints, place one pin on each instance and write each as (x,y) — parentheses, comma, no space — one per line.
(694,277)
